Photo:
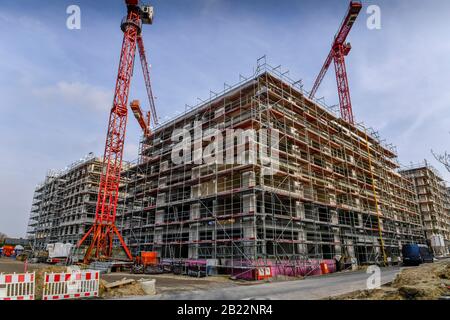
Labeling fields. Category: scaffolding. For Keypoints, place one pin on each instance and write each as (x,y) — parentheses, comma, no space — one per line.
(64,204)
(336,194)
(42,225)
(434,204)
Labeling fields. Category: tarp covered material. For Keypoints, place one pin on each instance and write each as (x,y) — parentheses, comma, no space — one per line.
(247,269)
(437,240)
(59,250)
(18,248)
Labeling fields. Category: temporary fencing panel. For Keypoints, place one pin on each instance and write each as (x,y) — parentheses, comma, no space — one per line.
(74,285)
(17,286)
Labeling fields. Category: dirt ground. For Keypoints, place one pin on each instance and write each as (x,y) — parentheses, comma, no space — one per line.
(429,281)
(170,283)
(8,265)
(165,284)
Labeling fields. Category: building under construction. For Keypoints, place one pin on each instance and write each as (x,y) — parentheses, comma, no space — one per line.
(434,204)
(323,189)
(64,204)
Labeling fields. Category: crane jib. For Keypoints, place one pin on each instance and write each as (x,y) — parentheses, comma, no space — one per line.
(339,50)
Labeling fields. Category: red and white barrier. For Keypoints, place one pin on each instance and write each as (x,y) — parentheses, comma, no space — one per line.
(20,286)
(73,285)
(263,273)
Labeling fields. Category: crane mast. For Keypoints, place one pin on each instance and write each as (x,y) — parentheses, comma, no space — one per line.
(104,228)
(339,50)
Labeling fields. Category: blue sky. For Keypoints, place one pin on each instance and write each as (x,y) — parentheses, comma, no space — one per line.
(57,84)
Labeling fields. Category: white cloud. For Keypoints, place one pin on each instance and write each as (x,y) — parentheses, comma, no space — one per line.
(399,83)
(74,94)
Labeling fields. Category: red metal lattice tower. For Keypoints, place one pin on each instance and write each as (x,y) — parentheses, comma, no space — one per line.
(104,228)
(339,51)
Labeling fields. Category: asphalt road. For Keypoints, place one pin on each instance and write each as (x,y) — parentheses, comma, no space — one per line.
(311,288)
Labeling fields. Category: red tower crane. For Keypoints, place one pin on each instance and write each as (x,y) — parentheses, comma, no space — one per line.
(339,50)
(104,228)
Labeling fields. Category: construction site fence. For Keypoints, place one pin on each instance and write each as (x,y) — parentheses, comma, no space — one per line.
(17,286)
(71,285)
(56,286)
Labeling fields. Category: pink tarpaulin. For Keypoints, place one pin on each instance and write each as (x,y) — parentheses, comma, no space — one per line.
(246,270)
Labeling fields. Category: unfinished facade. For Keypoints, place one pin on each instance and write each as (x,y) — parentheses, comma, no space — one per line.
(335,192)
(64,204)
(434,204)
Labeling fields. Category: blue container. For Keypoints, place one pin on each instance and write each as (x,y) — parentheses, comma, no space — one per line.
(411,255)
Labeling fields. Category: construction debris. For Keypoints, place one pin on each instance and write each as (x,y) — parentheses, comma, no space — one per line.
(122,288)
(127,287)
(119,283)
